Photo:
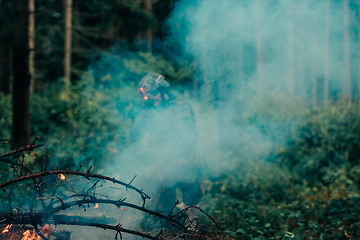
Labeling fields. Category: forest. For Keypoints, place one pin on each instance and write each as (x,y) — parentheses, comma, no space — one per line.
(274,88)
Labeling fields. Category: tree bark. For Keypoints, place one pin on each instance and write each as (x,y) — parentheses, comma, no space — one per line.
(259,66)
(346,54)
(31,42)
(68,33)
(149,32)
(6,67)
(21,83)
(290,76)
(195,80)
(2,30)
(5,55)
(359,61)
(326,54)
(313,74)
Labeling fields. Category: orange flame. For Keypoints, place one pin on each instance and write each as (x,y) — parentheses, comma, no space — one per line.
(96,205)
(62,176)
(34,236)
(146,98)
(6,229)
(142,90)
(27,235)
(15,233)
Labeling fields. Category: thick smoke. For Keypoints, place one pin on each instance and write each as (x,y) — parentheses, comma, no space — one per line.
(230,38)
(254,61)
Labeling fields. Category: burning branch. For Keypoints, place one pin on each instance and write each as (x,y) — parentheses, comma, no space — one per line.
(52,203)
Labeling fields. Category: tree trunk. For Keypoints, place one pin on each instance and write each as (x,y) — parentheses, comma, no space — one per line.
(31,42)
(5,53)
(195,80)
(149,32)
(259,66)
(2,43)
(326,54)
(290,76)
(313,74)
(67,57)
(21,84)
(346,54)
(6,69)
(359,60)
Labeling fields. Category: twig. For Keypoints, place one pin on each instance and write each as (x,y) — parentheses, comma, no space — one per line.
(12,187)
(46,159)
(131,181)
(143,195)
(182,211)
(105,226)
(35,140)
(80,167)
(116,203)
(176,203)
(20,150)
(39,233)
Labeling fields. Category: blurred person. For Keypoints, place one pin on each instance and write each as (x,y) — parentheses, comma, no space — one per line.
(169,127)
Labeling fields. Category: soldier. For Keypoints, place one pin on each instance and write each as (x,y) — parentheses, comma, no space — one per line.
(170,129)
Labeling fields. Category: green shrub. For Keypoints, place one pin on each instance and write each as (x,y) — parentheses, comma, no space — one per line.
(306,187)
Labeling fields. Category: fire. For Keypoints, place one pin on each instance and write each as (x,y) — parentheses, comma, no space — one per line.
(34,236)
(96,205)
(142,90)
(15,233)
(6,229)
(28,236)
(62,176)
(146,97)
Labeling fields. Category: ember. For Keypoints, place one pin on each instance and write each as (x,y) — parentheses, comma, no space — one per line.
(6,229)
(28,235)
(146,97)
(15,233)
(96,205)
(62,176)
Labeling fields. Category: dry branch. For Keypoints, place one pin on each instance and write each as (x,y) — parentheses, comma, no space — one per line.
(52,203)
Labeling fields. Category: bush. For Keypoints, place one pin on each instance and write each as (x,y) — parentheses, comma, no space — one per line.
(305,188)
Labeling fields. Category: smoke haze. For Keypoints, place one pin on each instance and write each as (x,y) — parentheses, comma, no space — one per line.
(257,64)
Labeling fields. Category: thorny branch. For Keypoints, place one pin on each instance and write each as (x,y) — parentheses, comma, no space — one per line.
(87,175)
(48,214)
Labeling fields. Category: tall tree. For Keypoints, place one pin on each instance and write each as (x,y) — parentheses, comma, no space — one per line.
(313,77)
(5,42)
(359,57)
(326,54)
(68,34)
(31,42)
(259,66)
(149,31)
(21,84)
(346,53)
(2,43)
(195,80)
(290,76)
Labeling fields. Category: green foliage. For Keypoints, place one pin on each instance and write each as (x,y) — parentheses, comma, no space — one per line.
(84,126)
(327,144)
(89,123)
(306,188)
(147,62)
(97,25)
(278,195)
